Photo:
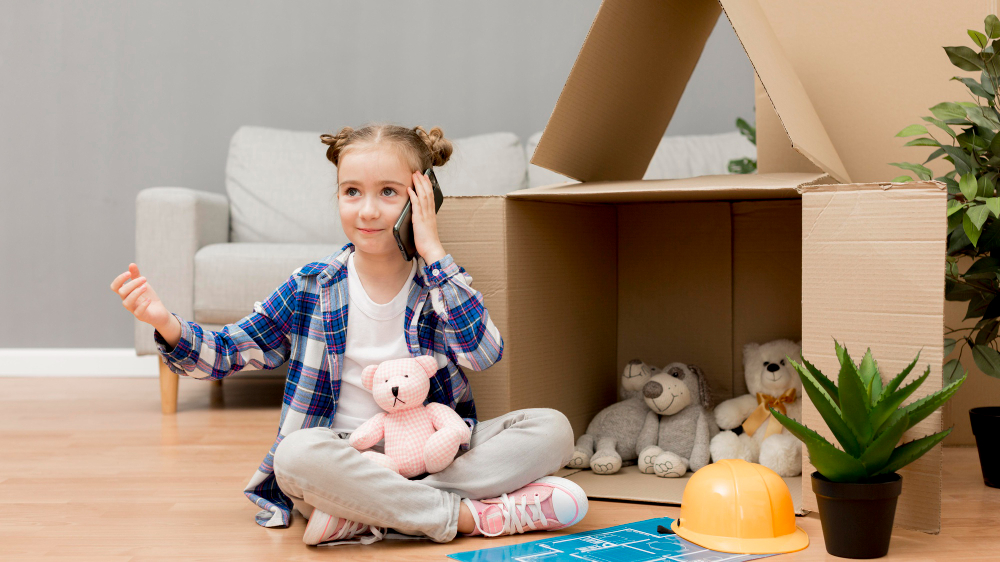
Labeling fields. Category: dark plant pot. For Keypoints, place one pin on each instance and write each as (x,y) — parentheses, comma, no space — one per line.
(986,427)
(857,518)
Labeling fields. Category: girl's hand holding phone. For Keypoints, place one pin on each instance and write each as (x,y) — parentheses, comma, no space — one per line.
(139,298)
(425,231)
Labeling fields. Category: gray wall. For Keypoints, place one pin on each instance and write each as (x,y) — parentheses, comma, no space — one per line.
(101,99)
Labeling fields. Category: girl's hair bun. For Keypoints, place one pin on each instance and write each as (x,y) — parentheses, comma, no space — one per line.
(337,143)
(420,148)
(440,148)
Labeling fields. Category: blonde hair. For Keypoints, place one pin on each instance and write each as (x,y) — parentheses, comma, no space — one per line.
(420,148)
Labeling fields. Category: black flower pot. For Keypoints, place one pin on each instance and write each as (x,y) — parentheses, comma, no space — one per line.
(857,518)
(986,427)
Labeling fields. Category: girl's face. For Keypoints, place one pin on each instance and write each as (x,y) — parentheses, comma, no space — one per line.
(372,192)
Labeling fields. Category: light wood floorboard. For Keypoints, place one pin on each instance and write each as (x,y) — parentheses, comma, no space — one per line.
(91,470)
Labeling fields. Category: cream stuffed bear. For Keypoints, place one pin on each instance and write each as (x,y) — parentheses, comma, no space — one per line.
(679,427)
(611,436)
(773,383)
(418,438)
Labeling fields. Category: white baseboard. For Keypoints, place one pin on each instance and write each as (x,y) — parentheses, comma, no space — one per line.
(82,362)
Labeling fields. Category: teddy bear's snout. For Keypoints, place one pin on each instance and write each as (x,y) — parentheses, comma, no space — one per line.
(652,389)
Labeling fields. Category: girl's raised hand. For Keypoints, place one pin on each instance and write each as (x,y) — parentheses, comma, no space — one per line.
(139,298)
(425,231)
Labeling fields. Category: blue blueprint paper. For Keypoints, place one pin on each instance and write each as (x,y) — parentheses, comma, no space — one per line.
(634,542)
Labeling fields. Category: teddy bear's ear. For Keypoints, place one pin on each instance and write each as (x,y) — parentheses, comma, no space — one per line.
(368,376)
(429,364)
(751,354)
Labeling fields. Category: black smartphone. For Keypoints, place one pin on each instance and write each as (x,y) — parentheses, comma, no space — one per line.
(403,229)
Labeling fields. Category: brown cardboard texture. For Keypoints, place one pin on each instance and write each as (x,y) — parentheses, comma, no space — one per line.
(582,278)
(871,276)
(820,36)
(867,74)
(631,484)
(577,289)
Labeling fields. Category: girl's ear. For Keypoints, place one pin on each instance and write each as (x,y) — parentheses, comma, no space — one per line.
(368,376)
(429,364)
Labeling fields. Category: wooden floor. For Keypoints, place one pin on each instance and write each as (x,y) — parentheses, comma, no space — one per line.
(90,470)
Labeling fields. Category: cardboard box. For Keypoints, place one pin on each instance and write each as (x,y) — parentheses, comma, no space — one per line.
(880,49)
(581,278)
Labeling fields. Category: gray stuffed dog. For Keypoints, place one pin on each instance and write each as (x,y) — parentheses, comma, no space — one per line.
(676,434)
(615,429)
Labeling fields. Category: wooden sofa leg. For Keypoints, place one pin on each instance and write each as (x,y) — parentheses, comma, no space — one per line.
(168,389)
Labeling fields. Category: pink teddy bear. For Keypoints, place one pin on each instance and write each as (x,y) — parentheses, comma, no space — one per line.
(418,438)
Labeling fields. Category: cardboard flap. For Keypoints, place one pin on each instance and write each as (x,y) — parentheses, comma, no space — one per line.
(871,278)
(785,90)
(729,187)
(624,87)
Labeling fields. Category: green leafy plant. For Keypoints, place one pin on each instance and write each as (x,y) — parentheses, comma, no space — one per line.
(744,165)
(866,417)
(971,145)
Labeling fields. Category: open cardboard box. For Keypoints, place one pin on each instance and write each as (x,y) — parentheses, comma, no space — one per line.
(581,278)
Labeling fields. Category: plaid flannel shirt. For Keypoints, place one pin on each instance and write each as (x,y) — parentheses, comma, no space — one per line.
(305,322)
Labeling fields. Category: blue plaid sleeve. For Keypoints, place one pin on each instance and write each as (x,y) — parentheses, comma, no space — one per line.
(259,341)
(469,332)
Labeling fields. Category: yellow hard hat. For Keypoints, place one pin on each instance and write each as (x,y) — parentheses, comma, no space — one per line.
(739,507)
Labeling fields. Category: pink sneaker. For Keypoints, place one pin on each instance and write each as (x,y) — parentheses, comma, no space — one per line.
(323,528)
(549,503)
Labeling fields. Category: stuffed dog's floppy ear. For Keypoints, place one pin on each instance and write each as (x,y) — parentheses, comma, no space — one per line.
(429,364)
(704,394)
(368,376)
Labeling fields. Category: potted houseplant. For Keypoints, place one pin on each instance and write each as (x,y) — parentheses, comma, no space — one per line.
(857,485)
(971,145)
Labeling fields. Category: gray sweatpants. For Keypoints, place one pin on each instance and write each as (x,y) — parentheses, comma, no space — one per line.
(319,469)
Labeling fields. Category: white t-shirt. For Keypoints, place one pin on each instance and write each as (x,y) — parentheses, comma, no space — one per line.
(374,334)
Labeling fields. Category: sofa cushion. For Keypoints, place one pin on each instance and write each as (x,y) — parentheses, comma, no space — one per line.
(682,156)
(492,164)
(230,278)
(282,188)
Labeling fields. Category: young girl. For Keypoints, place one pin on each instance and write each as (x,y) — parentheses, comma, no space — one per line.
(360,306)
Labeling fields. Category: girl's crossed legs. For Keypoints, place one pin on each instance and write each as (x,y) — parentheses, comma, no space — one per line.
(319,469)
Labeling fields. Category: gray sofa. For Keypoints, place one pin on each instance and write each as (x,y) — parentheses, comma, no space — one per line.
(212,256)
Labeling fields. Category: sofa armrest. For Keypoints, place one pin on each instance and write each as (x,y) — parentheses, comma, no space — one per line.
(171,225)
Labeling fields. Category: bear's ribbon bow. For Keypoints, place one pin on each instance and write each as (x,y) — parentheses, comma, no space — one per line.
(762,412)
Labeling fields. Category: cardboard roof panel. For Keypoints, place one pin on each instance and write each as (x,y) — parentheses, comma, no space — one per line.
(774,150)
(624,88)
(872,68)
(787,94)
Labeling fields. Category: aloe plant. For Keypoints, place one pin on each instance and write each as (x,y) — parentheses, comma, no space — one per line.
(866,416)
